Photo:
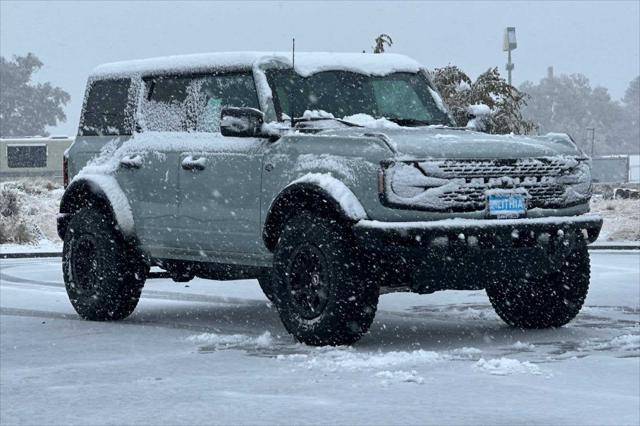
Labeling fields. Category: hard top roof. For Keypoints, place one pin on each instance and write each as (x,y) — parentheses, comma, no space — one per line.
(306,63)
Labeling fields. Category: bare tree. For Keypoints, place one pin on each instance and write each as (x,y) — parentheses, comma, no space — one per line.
(381,40)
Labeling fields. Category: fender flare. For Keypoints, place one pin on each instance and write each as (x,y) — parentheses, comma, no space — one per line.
(314,191)
(104,188)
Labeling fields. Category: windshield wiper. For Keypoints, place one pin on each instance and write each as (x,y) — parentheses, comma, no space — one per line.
(339,120)
(409,122)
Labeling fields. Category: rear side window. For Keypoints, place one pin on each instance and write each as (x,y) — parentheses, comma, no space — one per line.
(164,106)
(106,111)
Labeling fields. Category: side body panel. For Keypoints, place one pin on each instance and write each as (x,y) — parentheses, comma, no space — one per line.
(352,161)
(219,200)
(150,181)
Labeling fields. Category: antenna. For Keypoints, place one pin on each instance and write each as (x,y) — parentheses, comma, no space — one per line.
(293,69)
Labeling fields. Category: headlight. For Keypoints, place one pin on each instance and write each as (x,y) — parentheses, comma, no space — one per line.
(408,180)
(577,183)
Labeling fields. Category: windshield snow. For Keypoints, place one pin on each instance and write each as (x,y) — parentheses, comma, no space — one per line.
(403,98)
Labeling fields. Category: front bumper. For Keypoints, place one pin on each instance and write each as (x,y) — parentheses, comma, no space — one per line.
(467,253)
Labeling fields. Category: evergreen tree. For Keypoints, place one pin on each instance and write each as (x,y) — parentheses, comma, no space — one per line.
(26,108)
(569,104)
(504,101)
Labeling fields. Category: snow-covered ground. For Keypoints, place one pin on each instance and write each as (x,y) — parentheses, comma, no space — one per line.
(216,353)
(621,219)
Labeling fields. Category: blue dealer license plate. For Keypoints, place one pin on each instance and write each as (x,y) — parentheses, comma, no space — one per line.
(506,206)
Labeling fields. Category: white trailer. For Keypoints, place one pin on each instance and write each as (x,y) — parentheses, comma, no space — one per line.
(33,157)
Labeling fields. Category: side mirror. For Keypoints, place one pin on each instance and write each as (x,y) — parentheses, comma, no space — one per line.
(480,118)
(241,122)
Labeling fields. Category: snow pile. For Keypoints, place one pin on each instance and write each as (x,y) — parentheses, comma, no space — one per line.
(232,341)
(365,120)
(474,314)
(338,190)
(316,113)
(400,376)
(28,211)
(507,366)
(621,219)
(626,342)
(523,346)
(331,359)
(465,352)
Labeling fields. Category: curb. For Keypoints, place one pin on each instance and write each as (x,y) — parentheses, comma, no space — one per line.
(614,247)
(30,255)
(623,247)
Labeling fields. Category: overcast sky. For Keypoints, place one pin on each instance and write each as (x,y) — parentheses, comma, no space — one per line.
(599,39)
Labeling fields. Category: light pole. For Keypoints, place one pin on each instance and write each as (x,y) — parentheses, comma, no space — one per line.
(509,45)
(592,130)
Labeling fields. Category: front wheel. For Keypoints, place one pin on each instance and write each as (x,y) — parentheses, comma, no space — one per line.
(321,293)
(103,275)
(551,300)
(266,284)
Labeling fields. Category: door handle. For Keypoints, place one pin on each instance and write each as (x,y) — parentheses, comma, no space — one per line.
(194,164)
(131,162)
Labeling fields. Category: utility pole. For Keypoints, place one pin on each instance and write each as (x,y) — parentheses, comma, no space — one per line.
(592,130)
(509,45)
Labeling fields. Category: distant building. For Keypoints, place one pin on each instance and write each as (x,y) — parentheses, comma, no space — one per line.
(616,168)
(33,157)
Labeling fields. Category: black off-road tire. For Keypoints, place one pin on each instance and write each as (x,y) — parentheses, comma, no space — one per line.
(321,293)
(266,284)
(103,275)
(551,300)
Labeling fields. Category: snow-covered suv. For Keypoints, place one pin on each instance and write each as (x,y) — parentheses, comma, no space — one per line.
(330,179)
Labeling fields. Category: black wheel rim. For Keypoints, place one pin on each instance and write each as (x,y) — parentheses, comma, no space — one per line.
(308,279)
(85,263)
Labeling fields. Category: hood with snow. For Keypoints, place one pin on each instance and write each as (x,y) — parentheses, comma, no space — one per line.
(458,143)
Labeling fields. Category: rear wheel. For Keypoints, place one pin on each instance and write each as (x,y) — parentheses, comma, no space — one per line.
(103,275)
(321,294)
(551,300)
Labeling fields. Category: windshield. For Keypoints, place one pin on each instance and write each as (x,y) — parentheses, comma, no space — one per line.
(405,98)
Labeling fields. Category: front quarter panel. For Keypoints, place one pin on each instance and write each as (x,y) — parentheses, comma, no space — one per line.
(354,161)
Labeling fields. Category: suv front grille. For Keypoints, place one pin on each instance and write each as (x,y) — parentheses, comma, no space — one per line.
(498,168)
(468,181)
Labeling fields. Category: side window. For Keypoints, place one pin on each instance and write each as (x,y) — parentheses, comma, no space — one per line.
(106,111)
(214,92)
(164,106)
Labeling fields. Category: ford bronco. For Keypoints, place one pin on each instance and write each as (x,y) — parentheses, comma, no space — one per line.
(330,179)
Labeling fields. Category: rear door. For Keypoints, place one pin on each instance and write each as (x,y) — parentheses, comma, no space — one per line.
(149,169)
(142,172)
(219,208)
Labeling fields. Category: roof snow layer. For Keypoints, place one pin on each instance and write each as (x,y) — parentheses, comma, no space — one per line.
(306,63)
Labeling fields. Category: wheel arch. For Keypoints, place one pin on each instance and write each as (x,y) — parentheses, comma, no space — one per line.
(314,192)
(96,191)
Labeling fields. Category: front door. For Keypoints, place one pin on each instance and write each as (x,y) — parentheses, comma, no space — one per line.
(220,177)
